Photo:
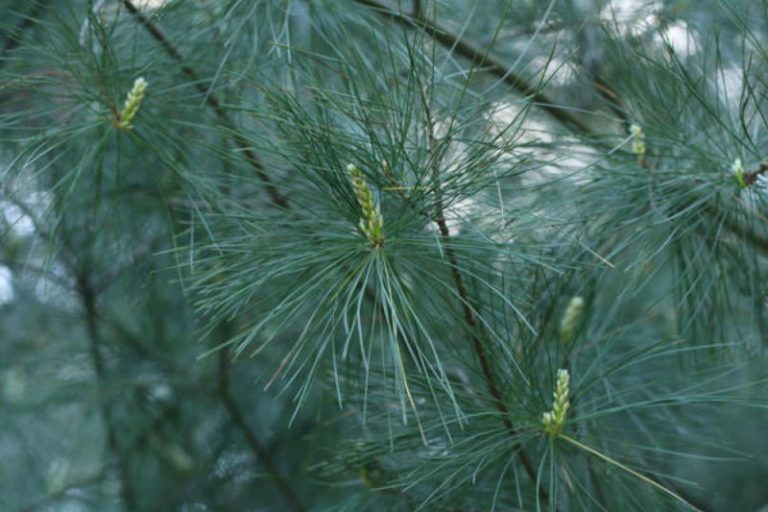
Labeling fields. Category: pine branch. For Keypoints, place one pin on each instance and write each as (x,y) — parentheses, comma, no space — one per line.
(483,59)
(416,9)
(278,199)
(615,103)
(262,455)
(469,315)
(478,57)
(88,299)
(479,349)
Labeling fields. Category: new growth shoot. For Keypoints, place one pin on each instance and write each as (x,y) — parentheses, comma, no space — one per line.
(638,142)
(737,168)
(371,222)
(132,103)
(571,319)
(555,419)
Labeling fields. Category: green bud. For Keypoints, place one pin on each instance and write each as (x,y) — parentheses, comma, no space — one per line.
(371,222)
(737,168)
(571,319)
(555,419)
(132,104)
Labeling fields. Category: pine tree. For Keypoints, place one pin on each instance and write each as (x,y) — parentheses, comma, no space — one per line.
(383,255)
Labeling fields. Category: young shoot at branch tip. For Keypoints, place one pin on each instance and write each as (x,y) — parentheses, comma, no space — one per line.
(131,105)
(371,221)
(554,420)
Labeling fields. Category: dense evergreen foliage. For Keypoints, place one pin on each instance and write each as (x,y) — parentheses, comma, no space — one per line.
(383,255)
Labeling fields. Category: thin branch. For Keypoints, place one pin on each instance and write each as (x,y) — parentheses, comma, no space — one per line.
(261,453)
(141,253)
(278,199)
(751,177)
(481,57)
(469,315)
(88,298)
(615,103)
(416,9)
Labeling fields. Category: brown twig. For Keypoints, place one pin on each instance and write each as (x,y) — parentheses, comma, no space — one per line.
(481,57)
(88,299)
(751,177)
(469,315)
(278,199)
(416,9)
(479,349)
(254,444)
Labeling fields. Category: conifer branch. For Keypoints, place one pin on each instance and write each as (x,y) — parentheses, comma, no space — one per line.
(479,349)
(750,177)
(278,199)
(261,453)
(482,58)
(615,103)
(490,64)
(88,299)
(473,324)
(416,9)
